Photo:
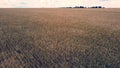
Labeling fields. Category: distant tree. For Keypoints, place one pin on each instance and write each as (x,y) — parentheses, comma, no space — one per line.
(82,7)
(76,7)
(97,7)
(79,7)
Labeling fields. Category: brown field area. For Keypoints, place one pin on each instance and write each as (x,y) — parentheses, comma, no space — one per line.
(60,38)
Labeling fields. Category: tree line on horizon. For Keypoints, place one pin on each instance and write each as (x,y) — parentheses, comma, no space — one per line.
(86,7)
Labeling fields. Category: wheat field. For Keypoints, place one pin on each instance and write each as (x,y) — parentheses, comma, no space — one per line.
(59,38)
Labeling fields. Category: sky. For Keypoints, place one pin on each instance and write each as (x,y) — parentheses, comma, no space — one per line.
(57,3)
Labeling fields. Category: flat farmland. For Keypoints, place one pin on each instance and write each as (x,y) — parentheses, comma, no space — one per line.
(59,38)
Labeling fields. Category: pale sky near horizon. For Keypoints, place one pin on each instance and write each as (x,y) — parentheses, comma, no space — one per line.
(57,3)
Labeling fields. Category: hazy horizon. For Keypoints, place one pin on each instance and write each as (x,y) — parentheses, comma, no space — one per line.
(57,3)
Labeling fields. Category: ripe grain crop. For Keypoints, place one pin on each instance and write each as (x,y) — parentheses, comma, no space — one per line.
(60,38)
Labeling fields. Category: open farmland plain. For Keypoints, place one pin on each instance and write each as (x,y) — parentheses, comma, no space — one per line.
(60,38)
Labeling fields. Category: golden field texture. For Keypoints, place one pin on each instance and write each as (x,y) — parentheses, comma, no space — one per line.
(59,38)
